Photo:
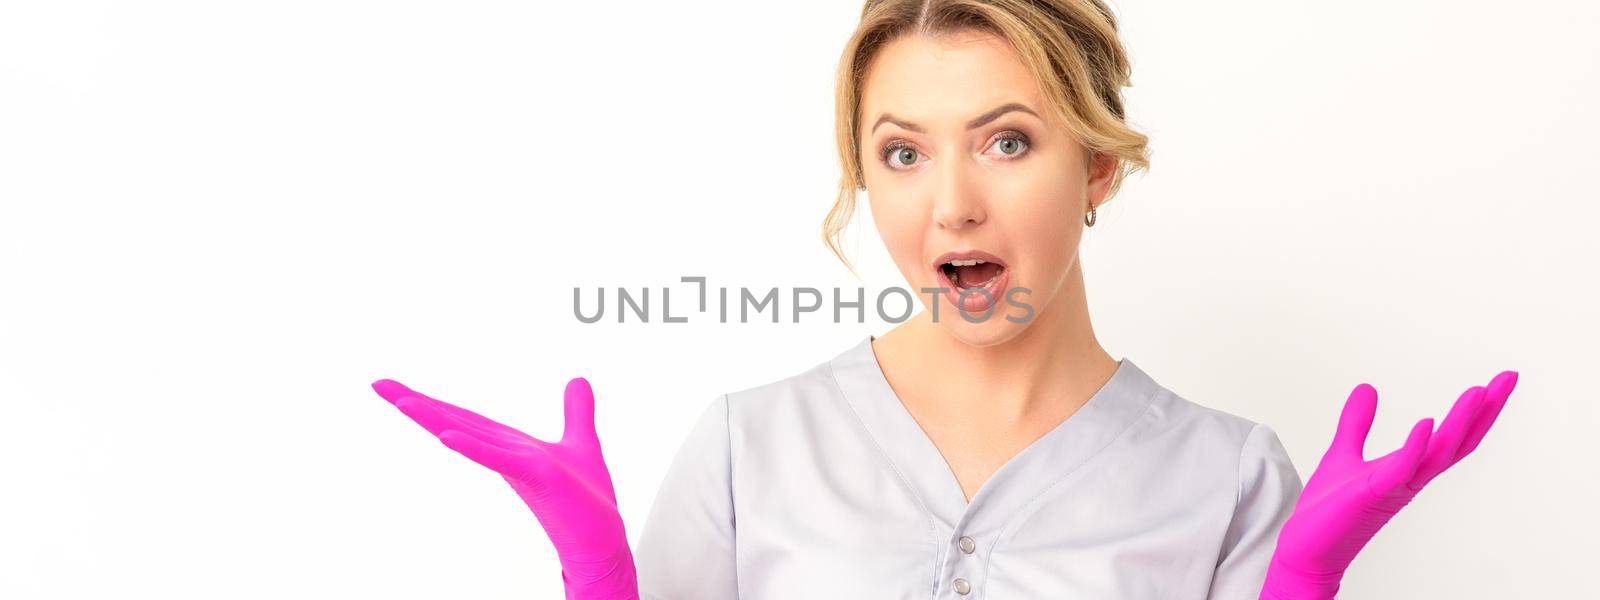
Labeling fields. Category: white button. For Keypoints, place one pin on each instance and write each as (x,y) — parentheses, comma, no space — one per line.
(967,545)
(961,586)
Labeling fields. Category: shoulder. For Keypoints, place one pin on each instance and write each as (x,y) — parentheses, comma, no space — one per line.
(1201,428)
(808,404)
(815,387)
(1171,411)
(1196,438)
(798,388)
(787,409)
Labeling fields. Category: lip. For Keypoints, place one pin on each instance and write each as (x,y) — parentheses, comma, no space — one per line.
(968,255)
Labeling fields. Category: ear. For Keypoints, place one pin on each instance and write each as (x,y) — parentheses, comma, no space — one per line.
(1102,171)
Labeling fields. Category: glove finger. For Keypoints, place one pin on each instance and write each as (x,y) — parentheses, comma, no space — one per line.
(1399,467)
(1494,399)
(508,463)
(1442,446)
(483,424)
(579,412)
(423,413)
(431,417)
(1355,421)
(505,436)
(392,390)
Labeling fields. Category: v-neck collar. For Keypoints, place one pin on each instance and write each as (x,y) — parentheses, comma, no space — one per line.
(1022,479)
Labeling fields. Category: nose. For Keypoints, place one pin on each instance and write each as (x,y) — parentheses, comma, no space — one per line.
(958,201)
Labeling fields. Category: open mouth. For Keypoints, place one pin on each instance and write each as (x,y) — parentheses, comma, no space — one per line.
(976,280)
(964,274)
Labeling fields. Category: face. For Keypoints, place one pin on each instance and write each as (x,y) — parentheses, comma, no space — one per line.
(963,162)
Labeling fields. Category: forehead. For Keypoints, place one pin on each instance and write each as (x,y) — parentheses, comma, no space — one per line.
(940,80)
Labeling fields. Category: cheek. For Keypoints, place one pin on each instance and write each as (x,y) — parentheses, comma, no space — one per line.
(900,221)
(1043,217)
(1048,242)
(1043,193)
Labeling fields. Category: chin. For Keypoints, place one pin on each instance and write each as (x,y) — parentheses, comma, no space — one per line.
(990,332)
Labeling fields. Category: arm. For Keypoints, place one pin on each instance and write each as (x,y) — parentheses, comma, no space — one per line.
(686,551)
(1268,488)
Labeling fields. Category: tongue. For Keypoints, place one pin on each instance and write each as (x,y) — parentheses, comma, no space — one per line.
(976,275)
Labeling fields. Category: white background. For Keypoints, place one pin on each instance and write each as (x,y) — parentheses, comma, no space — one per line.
(220,220)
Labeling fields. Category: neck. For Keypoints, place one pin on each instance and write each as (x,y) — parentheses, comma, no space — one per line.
(1045,372)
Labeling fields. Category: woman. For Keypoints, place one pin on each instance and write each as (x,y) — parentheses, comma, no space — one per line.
(960,457)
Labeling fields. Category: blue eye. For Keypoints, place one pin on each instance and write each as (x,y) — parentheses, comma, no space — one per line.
(898,155)
(1011,143)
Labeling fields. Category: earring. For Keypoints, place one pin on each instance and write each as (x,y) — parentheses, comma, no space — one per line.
(1089,219)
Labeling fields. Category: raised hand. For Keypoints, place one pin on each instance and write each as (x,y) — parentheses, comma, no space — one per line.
(566,484)
(1348,499)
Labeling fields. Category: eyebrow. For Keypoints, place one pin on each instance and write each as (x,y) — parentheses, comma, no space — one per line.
(980,121)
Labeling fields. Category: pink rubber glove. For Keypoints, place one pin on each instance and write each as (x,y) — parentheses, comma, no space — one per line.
(566,484)
(1348,499)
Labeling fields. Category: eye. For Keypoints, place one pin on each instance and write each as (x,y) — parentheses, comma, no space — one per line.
(899,155)
(1010,144)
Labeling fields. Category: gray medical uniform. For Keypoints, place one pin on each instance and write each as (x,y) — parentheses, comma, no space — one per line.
(822,485)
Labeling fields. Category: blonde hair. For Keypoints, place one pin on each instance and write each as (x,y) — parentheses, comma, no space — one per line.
(1070,46)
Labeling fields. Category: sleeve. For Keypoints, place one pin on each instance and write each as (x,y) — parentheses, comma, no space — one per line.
(686,549)
(1268,489)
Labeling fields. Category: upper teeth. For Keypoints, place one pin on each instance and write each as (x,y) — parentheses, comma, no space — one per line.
(966,263)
